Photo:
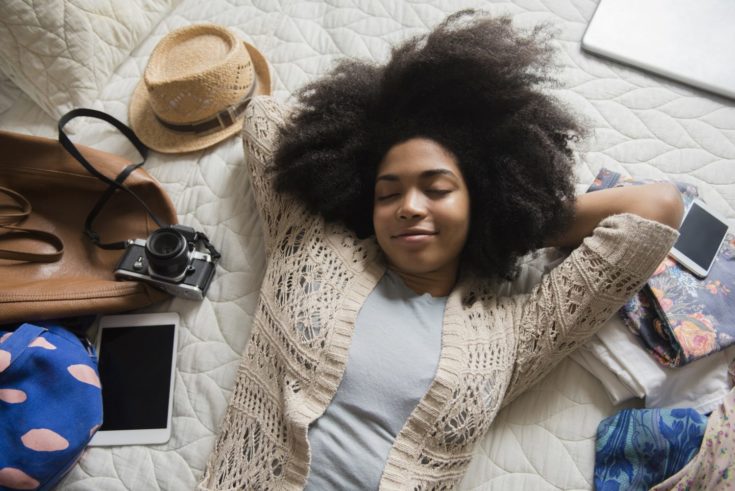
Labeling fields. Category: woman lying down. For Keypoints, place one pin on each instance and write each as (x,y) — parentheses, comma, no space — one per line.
(393,198)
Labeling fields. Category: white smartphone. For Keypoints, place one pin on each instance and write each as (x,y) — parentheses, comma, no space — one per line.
(700,237)
(137,359)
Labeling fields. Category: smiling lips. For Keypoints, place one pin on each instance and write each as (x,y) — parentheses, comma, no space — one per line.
(414,236)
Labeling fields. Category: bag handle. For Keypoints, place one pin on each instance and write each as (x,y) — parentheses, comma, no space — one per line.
(16,215)
(115,184)
(18,341)
(23,207)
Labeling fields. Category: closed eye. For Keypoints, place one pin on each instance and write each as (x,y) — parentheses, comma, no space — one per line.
(386,197)
(431,192)
(438,192)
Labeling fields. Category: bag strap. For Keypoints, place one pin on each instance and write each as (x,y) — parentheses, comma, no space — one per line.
(18,341)
(16,215)
(23,207)
(114,184)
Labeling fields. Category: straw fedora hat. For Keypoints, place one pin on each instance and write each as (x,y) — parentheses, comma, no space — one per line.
(195,88)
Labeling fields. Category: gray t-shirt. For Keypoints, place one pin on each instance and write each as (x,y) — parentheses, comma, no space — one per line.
(391,363)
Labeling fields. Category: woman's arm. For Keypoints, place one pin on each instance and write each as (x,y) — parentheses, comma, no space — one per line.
(660,202)
(263,118)
(619,237)
(575,299)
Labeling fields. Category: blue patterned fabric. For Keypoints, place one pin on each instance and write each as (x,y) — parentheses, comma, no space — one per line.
(638,448)
(50,404)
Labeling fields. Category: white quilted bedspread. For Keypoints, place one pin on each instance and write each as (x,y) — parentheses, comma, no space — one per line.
(644,125)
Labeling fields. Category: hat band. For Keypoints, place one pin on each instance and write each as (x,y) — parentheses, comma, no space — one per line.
(223,119)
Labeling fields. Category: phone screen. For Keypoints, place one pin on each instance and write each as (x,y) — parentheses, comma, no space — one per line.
(700,236)
(135,371)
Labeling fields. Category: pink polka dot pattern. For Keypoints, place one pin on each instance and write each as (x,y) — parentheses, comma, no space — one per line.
(85,374)
(12,396)
(4,360)
(39,342)
(17,479)
(43,432)
(43,440)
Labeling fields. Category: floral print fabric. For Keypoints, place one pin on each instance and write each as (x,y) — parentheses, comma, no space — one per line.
(679,317)
(638,448)
(695,315)
(713,468)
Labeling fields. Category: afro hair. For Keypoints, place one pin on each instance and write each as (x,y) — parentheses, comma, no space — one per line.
(474,84)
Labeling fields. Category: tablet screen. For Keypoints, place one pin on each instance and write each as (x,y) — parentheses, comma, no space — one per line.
(135,370)
(700,236)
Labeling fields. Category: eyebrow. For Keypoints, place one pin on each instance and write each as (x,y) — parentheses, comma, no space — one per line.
(423,175)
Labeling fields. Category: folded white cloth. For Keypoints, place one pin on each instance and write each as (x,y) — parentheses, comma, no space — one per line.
(617,358)
(619,385)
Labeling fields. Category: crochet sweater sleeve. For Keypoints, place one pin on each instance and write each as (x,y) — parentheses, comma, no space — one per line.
(263,119)
(577,297)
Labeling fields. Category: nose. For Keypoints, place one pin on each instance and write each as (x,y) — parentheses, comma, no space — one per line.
(411,206)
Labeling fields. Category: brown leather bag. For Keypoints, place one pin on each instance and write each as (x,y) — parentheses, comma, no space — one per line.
(62,193)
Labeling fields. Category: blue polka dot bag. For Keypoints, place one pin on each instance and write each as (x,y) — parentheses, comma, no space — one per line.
(50,404)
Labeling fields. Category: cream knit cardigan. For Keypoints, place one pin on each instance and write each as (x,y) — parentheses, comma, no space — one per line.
(493,348)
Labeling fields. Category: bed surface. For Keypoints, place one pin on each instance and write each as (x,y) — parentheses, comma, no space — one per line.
(645,126)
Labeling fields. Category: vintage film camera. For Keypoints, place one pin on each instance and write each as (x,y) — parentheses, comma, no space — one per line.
(171,259)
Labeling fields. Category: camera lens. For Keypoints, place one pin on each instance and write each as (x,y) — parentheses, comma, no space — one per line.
(167,252)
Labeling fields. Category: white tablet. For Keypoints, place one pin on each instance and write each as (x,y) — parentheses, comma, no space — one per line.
(700,237)
(137,358)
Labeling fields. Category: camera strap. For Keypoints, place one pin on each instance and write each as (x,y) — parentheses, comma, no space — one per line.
(117,183)
(210,247)
(114,184)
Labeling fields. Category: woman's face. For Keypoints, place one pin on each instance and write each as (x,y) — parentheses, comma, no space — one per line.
(421,212)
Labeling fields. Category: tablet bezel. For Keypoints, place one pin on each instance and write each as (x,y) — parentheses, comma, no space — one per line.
(147,436)
(683,259)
